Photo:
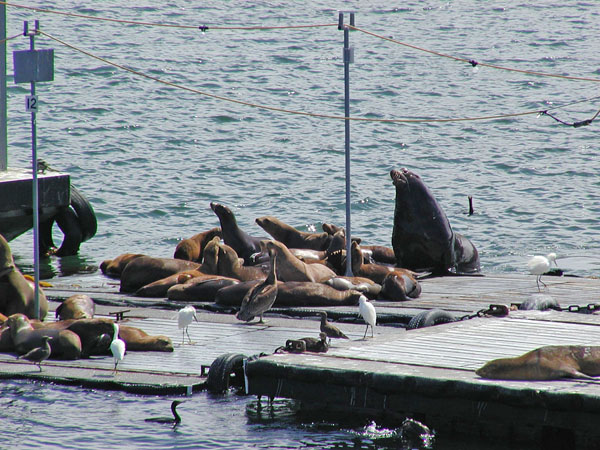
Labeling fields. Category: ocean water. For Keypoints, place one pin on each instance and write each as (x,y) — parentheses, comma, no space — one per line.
(150,156)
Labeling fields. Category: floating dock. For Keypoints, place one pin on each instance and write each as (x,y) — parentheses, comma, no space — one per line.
(16,192)
(427,373)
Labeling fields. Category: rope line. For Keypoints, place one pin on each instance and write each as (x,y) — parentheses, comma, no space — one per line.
(581,123)
(156,24)
(282,110)
(472,61)
(12,37)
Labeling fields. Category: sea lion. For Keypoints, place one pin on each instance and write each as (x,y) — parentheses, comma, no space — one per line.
(192,248)
(292,293)
(199,289)
(65,344)
(147,269)
(230,265)
(244,244)
(16,292)
(137,339)
(291,237)
(400,287)
(159,288)
(78,306)
(551,362)
(290,268)
(114,267)
(422,238)
(364,285)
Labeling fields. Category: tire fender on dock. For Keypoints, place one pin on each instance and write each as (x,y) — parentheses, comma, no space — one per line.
(430,318)
(226,371)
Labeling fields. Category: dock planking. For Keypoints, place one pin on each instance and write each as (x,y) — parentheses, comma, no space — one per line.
(426,373)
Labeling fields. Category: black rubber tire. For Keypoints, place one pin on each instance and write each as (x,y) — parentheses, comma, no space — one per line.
(46,243)
(67,221)
(429,318)
(225,371)
(85,214)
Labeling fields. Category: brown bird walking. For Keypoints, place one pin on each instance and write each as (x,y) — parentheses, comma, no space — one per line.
(38,354)
(329,329)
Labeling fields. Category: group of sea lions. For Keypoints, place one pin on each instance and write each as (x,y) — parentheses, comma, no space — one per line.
(224,263)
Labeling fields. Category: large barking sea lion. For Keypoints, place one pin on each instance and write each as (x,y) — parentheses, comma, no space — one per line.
(422,238)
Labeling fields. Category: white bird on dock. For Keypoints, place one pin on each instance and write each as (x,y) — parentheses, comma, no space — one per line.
(539,265)
(368,313)
(117,347)
(185,316)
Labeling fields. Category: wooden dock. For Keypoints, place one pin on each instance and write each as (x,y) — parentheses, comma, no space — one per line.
(428,373)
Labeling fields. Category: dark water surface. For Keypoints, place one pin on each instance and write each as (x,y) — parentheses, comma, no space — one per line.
(150,157)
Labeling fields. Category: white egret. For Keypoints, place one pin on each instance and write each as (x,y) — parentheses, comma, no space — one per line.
(38,354)
(175,420)
(185,316)
(329,329)
(368,313)
(539,265)
(117,347)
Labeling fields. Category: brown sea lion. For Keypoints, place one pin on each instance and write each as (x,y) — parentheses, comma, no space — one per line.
(78,306)
(192,249)
(114,267)
(244,244)
(291,237)
(230,265)
(290,268)
(65,344)
(138,340)
(292,293)
(375,272)
(16,293)
(551,362)
(200,289)
(147,269)
(400,286)
(159,288)
(364,285)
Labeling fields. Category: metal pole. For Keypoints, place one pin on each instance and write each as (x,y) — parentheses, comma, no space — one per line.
(3,127)
(348,58)
(35,201)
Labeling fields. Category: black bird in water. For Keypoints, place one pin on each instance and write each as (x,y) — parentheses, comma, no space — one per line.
(175,420)
(38,354)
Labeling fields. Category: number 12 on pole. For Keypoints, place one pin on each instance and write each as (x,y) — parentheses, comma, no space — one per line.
(31,103)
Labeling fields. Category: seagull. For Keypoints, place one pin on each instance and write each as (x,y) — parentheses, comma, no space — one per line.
(368,313)
(329,329)
(38,354)
(117,347)
(539,265)
(175,420)
(261,297)
(184,319)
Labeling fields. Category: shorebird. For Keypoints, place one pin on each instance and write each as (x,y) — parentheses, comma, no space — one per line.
(329,329)
(175,420)
(117,347)
(185,316)
(368,313)
(539,265)
(261,297)
(38,354)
